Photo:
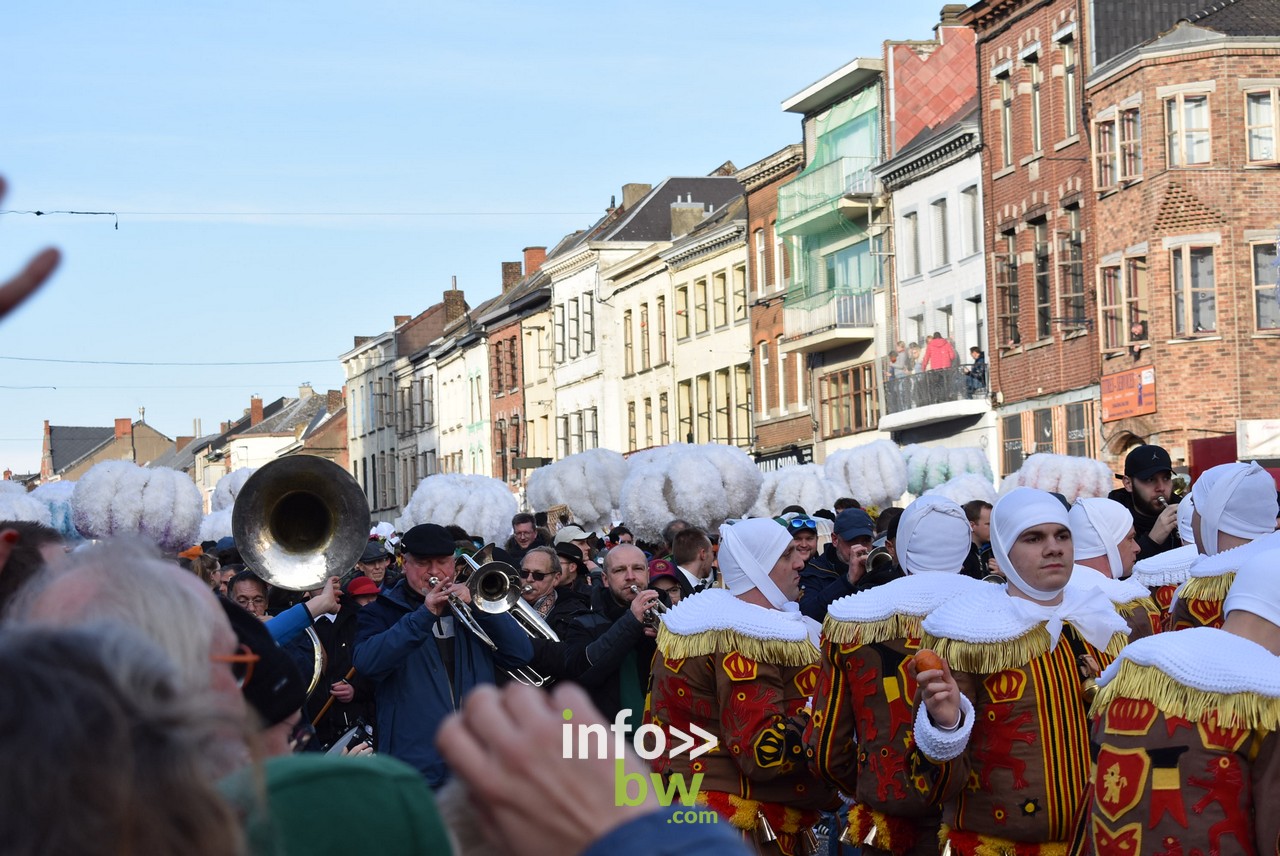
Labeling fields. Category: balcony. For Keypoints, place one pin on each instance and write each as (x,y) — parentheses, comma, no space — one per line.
(816,201)
(932,396)
(828,319)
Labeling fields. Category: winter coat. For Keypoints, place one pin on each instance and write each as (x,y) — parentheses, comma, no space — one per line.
(938,354)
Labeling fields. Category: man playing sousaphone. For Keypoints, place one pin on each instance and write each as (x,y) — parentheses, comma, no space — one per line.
(422,659)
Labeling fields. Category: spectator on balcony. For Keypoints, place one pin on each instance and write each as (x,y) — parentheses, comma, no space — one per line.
(938,354)
(976,381)
(893,368)
(913,359)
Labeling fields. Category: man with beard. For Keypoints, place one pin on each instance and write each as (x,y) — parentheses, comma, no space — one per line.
(608,650)
(1148,494)
(852,538)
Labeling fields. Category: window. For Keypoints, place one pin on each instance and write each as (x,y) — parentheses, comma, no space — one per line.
(1037,119)
(1104,153)
(644,336)
(664,424)
(910,245)
(428,401)
(575,433)
(628,345)
(1080,430)
(1265,290)
(701,312)
(1042,430)
(1130,144)
(593,428)
(1044,290)
(1071,271)
(724,408)
(972,215)
(762,363)
(648,422)
(1186,122)
(782,375)
(742,408)
(947,316)
(559,333)
(1006,268)
(779,258)
(682,312)
(720,298)
(761,273)
(704,409)
(1194,295)
(562,435)
(588,324)
(575,328)
(849,401)
(739,293)
(1260,125)
(1069,88)
(662,330)
(1006,119)
(684,401)
(941,246)
(631,426)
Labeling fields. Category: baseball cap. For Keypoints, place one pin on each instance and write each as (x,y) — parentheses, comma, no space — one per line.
(362,586)
(853,523)
(1146,461)
(428,540)
(571,533)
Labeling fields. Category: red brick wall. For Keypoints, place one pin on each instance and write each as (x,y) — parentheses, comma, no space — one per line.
(1202,387)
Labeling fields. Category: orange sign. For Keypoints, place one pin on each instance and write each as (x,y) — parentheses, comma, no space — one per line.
(1131,393)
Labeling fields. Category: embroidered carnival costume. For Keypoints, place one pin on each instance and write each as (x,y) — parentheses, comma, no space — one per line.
(1238,500)
(1187,755)
(1100,532)
(1013,772)
(1164,572)
(745,673)
(861,729)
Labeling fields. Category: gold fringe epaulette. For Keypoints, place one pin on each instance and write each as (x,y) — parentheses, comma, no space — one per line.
(988,657)
(781,652)
(1145,605)
(1117,643)
(1149,683)
(870,632)
(1207,588)
(990,845)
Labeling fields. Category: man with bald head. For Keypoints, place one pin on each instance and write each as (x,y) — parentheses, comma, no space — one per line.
(608,650)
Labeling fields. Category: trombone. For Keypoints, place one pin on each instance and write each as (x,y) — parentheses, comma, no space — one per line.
(494,590)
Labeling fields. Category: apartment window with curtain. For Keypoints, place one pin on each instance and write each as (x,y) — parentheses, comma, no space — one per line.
(910,245)
(682,312)
(941,241)
(644,336)
(661,311)
(1261,125)
(1122,299)
(1068,49)
(848,401)
(628,345)
(1194,291)
(1043,280)
(1036,75)
(1266,310)
(1005,87)
(1186,117)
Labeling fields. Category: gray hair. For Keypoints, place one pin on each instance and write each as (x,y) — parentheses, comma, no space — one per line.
(556,566)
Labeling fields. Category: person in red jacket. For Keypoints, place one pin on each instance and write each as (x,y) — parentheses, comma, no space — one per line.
(938,354)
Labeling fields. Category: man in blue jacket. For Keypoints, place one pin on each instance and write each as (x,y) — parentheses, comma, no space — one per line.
(421,659)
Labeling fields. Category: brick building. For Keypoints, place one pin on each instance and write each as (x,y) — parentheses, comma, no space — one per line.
(783,425)
(1037,196)
(1184,130)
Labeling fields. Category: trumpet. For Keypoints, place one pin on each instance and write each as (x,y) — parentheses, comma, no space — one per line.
(652,615)
(494,591)
(878,558)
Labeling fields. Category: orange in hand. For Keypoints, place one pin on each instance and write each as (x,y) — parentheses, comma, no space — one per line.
(927,661)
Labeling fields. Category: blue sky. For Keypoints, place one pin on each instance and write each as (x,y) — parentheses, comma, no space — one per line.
(291,175)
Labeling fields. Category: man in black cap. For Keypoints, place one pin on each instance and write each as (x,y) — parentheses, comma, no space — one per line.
(851,536)
(374,563)
(1148,494)
(421,659)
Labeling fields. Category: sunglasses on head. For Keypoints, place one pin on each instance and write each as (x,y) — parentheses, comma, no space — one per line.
(241,662)
(538,576)
(799,524)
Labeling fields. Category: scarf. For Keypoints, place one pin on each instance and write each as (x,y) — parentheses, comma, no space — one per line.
(933,536)
(748,551)
(1014,513)
(1239,499)
(1097,527)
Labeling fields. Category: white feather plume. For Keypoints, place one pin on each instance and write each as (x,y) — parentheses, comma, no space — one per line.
(966,487)
(18,505)
(228,488)
(57,496)
(704,484)
(481,505)
(589,483)
(1071,476)
(215,526)
(805,485)
(874,474)
(119,498)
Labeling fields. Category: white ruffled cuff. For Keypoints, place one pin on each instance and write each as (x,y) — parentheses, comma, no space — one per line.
(938,745)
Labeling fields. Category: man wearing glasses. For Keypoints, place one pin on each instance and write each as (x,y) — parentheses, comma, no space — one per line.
(541,572)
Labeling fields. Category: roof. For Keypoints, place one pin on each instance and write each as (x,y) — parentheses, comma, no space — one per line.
(650,219)
(296,411)
(835,86)
(1240,17)
(185,458)
(70,444)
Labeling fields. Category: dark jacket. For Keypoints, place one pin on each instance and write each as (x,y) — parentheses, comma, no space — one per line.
(597,645)
(1142,523)
(816,575)
(816,606)
(339,637)
(517,552)
(975,564)
(548,655)
(396,650)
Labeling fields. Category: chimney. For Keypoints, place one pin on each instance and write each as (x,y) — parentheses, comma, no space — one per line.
(633,193)
(951,14)
(455,304)
(512,272)
(181,443)
(255,411)
(224,427)
(305,391)
(533,259)
(334,400)
(8,474)
(685,214)
(124,427)
(401,319)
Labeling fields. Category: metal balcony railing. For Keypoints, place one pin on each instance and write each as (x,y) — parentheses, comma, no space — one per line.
(841,177)
(935,386)
(828,310)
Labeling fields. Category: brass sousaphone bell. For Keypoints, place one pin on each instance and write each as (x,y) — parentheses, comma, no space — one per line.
(298,521)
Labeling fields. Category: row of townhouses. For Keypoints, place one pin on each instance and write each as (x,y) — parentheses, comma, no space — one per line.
(1085,192)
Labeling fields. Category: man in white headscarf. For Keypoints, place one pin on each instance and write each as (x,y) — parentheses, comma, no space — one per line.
(1106,549)
(1002,728)
(741,663)
(860,733)
(1235,517)
(1200,709)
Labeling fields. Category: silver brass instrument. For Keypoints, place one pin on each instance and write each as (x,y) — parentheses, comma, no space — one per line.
(494,590)
(298,521)
(652,615)
(878,559)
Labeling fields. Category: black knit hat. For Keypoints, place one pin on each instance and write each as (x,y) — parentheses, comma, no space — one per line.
(275,688)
